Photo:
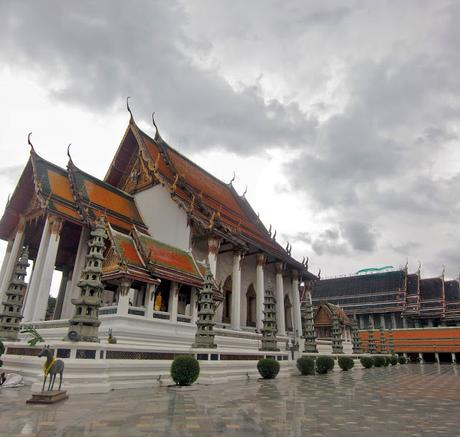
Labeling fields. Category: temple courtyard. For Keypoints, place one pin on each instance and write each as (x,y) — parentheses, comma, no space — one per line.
(410,400)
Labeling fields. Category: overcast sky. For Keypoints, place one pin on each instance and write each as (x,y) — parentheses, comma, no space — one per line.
(342,118)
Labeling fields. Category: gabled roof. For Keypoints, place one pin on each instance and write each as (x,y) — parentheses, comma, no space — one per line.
(168,262)
(331,309)
(211,203)
(71,194)
(452,291)
(359,285)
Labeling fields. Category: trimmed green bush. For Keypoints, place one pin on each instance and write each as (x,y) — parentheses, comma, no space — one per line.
(367,362)
(387,361)
(268,368)
(346,363)
(324,364)
(379,361)
(402,360)
(393,360)
(306,365)
(185,370)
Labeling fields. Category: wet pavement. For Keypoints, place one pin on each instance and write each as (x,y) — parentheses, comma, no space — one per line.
(410,400)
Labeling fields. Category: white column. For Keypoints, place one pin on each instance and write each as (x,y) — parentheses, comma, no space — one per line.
(280,299)
(382,321)
(63,287)
(420,355)
(236,291)
(260,290)
(32,291)
(48,269)
(150,301)
(213,249)
(194,304)
(361,321)
(436,357)
(13,258)
(173,301)
(454,359)
(74,291)
(393,321)
(6,258)
(123,297)
(296,304)
(371,319)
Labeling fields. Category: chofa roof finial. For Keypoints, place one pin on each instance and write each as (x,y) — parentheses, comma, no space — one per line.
(157,131)
(32,149)
(68,152)
(232,179)
(128,108)
(245,191)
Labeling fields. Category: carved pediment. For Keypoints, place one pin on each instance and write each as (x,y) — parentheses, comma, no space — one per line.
(138,176)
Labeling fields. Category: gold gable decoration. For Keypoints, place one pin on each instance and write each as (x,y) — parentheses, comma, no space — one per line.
(139,177)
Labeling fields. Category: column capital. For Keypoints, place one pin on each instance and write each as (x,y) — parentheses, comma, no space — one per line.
(21,224)
(260,259)
(55,225)
(125,285)
(213,244)
(279,268)
(295,275)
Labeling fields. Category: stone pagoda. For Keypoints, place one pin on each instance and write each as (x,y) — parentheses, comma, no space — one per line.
(371,348)
(391,341)
(308,326)
(356,342)
(85,322)
(11,308)
(337,342)
(204,337)
(383,345)
(269,329)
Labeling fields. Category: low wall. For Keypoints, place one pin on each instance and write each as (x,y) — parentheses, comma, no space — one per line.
(417,340)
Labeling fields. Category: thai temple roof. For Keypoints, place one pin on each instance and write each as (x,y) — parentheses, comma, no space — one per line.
(71,193)
(207,200)
(452,291)
(431,288)
(330,310)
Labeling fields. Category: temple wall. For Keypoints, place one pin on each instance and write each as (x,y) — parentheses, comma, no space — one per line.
(165,220)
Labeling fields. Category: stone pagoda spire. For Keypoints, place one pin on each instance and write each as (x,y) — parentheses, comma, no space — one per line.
(355,339)
(11,307)
(204,337)
(383,345)
(392,341)
(337,342)
(269,328)
(308,326)
(371,348)
(85,322)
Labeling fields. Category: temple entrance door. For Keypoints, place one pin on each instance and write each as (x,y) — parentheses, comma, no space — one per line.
(227,303)
(288,313)
(251,306)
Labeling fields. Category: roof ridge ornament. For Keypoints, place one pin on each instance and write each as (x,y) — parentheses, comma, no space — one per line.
(232,179)
(32,148)
(157,131)
(128,108)
(68,153)
(245,191)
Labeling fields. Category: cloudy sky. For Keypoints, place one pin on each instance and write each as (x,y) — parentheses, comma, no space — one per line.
(342,118)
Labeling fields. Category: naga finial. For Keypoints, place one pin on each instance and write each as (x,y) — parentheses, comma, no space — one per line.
(128,108)
(157,131)
(32,149)
(319,273)
(68,152)
(245,191)
(274,235)
(232,179)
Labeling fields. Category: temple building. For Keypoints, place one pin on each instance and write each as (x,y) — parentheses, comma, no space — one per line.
(164,217)
(393,299)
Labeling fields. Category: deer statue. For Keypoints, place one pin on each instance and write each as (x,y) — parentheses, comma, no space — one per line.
(52,367)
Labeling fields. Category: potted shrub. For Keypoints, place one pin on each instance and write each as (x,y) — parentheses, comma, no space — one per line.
(402,360)
(268,368)
(185,370)
(367,362)
(346,363)
(306,365)
(379,361)
(324,364)
(393,360)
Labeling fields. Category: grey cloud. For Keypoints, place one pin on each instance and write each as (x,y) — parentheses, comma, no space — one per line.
(11,173)
(95,54)
(360,235)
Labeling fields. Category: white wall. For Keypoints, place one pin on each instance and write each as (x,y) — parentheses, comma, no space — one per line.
(166,221)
